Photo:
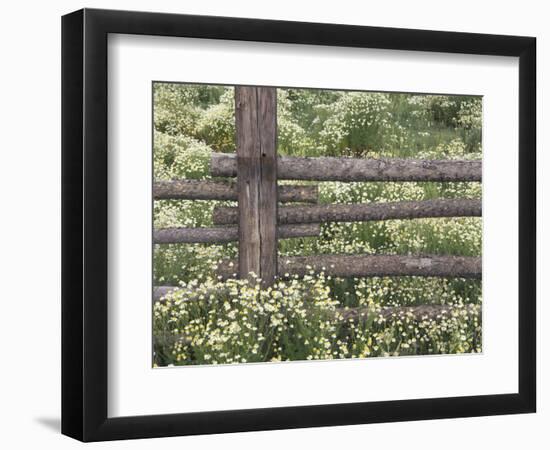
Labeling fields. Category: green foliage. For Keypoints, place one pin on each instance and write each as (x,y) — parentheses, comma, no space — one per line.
(180,157)
(358,123)
(460,112)
(217,124)
(233,321)
(237,322)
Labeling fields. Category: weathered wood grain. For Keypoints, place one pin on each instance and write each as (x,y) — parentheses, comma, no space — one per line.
(220,235)
(363,212)
(359,169)
(267,110)
(256,136)
(220,190)
(351,266)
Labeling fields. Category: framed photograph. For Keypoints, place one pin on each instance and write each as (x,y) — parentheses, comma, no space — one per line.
(273,224)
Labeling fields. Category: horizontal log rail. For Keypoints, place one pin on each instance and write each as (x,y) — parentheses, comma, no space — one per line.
(220,190)
(358,169)
(362,212)
(187,294)
(160,292)
(418,312)
(352,266)
(220,235)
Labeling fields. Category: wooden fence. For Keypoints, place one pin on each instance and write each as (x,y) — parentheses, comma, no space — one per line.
(259,222)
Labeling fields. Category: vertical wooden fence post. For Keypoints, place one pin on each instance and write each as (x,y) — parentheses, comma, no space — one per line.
(256,130)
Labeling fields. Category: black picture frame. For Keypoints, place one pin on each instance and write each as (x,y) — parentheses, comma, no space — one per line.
(84,224)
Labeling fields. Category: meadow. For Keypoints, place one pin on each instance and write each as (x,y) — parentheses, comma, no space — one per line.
(234,321)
